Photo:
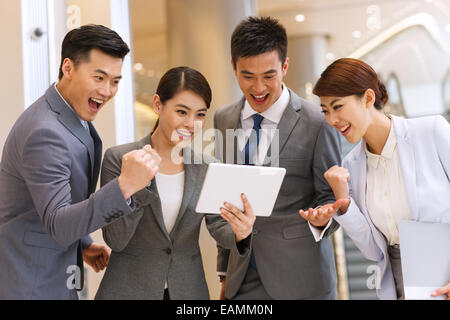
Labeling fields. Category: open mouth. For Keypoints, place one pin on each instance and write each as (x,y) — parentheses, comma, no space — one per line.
(260,99)
(95,104)
(184,134)
(344,130)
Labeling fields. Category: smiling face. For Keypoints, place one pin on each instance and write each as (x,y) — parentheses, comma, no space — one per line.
(350,115)
(260,78)
(180,117)
(89,85)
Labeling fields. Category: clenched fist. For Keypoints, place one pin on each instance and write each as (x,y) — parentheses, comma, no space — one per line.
(138,169)
(337,178)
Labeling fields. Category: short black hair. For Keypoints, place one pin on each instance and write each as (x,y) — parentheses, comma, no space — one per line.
(78,43)
(257,35)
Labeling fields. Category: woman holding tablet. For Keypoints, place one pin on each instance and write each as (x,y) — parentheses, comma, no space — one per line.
(155,251)
(399,170)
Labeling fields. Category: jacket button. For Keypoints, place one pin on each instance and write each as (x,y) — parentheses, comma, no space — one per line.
(168,251)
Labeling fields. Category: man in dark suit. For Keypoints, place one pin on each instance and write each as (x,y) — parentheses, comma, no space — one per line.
(49,170)
(291,259)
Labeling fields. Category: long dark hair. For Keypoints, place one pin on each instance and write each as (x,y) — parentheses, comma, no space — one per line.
(183,78)
(346,77)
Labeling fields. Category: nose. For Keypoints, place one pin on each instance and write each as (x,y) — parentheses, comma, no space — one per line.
(193,124)
(106,90)
(259,85)
(332,118)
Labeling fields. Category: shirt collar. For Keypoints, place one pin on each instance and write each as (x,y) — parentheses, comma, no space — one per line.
(83,122)
(274,112)
(388,149)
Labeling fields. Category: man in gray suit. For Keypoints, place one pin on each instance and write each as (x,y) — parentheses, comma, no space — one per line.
(290,258)
(49,170)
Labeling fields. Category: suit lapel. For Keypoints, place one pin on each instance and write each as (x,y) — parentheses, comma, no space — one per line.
(150,195)
(408,163)
(233,122)
(287,123)
(190,175)
(70,120)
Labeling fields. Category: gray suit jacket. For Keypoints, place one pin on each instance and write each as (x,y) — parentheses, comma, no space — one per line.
(48,174)
(144,255)
(290,263)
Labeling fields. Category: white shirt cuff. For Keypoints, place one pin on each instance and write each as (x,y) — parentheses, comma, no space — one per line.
(221,273)
(319,232)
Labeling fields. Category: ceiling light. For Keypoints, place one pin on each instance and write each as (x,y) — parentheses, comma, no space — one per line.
(138,67)
(300,18)
(356,34)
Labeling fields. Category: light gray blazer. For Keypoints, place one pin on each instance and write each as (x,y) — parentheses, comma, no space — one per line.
(424,150)
(291,264)
(144,255)
(48,174)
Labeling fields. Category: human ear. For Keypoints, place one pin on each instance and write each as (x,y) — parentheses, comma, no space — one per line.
(285,66)
(67,67)
(157,104)
(233,66)
(369,98)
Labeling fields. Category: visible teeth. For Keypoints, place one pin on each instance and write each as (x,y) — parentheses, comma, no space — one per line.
(184,133)
(260,97)
(97,101)
(344,128)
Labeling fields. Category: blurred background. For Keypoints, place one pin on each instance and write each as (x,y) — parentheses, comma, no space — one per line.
(406,41)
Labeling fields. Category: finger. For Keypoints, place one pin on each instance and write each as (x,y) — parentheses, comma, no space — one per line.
(311,214)
(237,213)
(248,210)
(106,255)
(304,214)
(231,219)
(443,290)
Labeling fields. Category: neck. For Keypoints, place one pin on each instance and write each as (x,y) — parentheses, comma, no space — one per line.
(378,132)
(165,149)
(63,90)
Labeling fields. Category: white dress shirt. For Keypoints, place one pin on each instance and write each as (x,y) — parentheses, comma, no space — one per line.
(272,117)
(386,198)
(170,191)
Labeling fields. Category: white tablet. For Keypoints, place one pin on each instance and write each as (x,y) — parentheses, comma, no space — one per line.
(226,182)
(425,257)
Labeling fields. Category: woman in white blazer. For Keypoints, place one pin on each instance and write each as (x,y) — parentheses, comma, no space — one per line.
(399,170)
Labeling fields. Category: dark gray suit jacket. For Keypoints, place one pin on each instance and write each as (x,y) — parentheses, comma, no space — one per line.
(144,255)
(290,263)
(48,173)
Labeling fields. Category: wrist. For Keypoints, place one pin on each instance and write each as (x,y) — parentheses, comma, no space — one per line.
(344,208)
(123,188)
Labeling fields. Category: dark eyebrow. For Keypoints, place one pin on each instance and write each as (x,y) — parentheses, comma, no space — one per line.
(251,73)
(106,74)
(186,107)
(331,104)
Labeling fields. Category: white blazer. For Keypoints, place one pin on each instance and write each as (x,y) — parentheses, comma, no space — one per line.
(424,151)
